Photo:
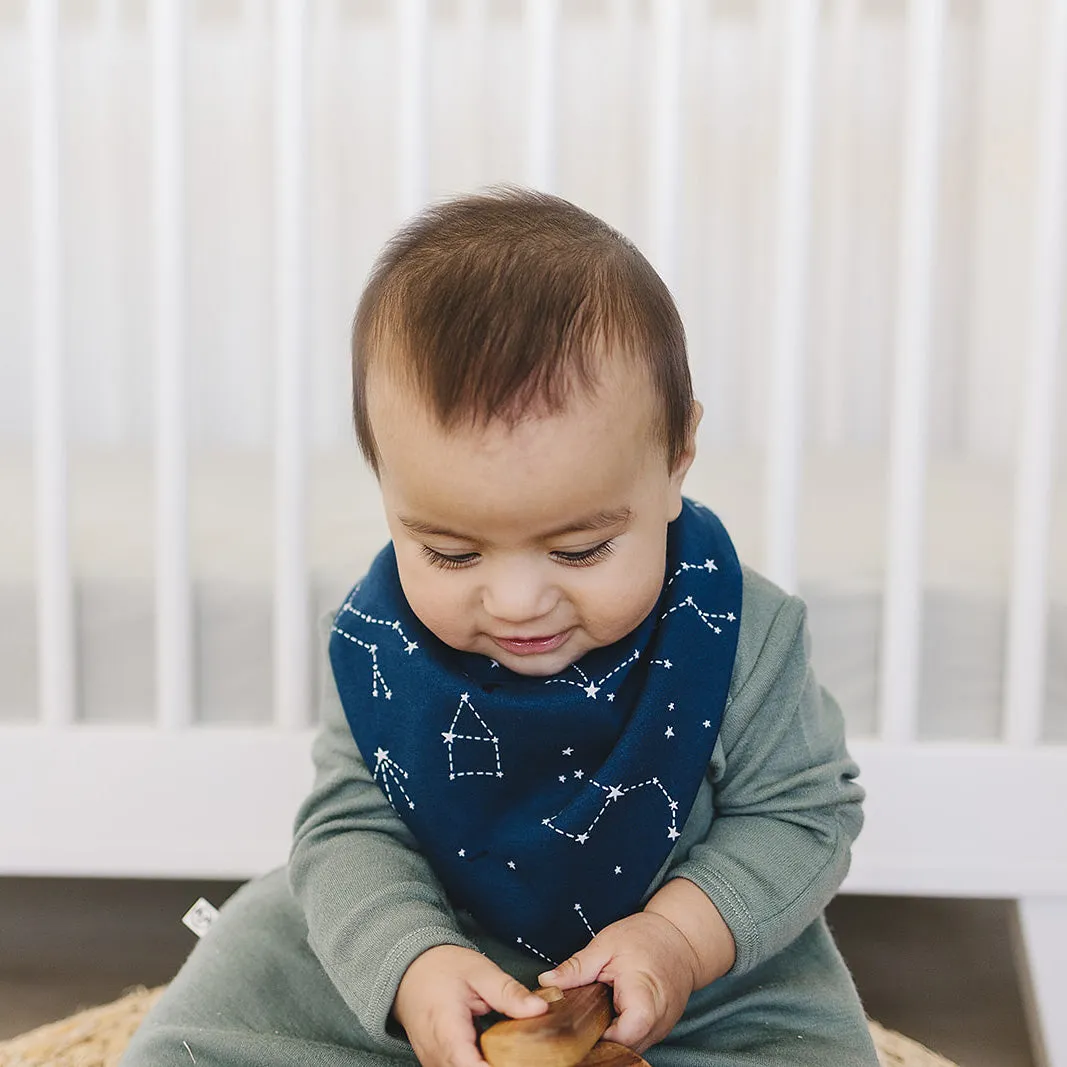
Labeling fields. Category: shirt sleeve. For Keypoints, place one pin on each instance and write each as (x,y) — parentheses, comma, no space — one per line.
(371,901)
(786,804)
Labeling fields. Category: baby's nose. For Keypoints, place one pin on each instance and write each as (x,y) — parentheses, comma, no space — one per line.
(519,596)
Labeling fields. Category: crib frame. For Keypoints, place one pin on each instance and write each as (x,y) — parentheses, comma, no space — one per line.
(68,785)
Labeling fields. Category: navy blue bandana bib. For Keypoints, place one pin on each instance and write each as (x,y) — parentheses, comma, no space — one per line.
(546,805)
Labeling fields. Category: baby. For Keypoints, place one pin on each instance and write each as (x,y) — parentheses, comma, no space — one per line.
(566,736)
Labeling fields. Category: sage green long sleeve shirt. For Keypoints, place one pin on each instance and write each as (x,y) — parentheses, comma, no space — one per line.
(767,840)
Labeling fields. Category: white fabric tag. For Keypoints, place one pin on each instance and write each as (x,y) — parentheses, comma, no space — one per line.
(200,916)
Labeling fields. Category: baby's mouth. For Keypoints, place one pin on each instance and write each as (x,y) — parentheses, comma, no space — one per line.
(532,646)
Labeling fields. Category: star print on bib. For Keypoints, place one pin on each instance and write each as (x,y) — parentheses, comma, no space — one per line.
(546,805)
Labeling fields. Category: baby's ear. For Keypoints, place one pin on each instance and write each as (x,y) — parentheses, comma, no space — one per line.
(685,460)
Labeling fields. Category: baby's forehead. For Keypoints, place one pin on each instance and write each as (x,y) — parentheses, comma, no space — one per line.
(616,382)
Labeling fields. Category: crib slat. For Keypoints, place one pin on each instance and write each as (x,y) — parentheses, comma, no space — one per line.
(832,354)
(173,590)
(1028,608)
(292,645)
(792,243)
(902,616)
(55,601)
(542,29)
(413,134)
(665,185)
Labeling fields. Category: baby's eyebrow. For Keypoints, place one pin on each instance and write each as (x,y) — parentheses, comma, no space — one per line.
(428,529)
(599,520)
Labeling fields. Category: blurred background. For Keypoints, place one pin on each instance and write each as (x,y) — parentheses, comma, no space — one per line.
(858,205)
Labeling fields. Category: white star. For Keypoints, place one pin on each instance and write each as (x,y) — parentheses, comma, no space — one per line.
(449,737)
(667,663)
(577,907)
(579,774)
(618,870)
(511,864)
(717,629)
(500,774)
(493,664)
(670,706)
(462,852)
(655,781)
(396,625)
(495,740)
(411,646)
(582,838)
(372,648)
(707,724)
(673,834)
(689,600)
(388,694)
(382,753)
(545,822)
(674,805)
(464,696)
(615,792)
(669,732)
(611,698)
(562,777)
(709,565)
(729,616)
(568,752)
(592,689)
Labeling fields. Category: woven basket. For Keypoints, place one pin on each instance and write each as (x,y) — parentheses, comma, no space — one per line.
(96,1038)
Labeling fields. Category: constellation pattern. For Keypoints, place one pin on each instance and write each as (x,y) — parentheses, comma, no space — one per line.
(592,688)
(391,774)
(377,678)
(706,616)
(488,737)
(529,948)
(393,624)
(378,681)
(615,793)
(537,952)
(581,915)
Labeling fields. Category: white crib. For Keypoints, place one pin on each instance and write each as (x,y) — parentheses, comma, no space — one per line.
(860,206)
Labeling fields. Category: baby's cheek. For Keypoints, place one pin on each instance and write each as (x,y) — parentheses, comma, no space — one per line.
(622,607)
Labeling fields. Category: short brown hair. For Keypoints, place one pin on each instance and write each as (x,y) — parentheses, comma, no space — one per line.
(497,303)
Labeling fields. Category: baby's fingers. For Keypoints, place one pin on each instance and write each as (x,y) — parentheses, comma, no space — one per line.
(578,970)
(636,1024)
(503,993)
(453,1044)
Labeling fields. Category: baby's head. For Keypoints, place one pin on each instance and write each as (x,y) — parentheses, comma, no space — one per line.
(521,390)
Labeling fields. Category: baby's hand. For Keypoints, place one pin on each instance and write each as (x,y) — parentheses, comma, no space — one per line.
(653,968)
(441,993)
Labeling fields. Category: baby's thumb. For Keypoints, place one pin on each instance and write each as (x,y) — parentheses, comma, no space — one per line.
(578,970)
(513,999)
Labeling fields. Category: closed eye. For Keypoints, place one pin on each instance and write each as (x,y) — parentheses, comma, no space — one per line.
(587,557)
(449,563)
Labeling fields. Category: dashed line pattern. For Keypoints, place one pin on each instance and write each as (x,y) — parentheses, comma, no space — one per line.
(615,793)
(451,737)
(593,688)
(391,774)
